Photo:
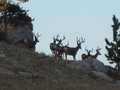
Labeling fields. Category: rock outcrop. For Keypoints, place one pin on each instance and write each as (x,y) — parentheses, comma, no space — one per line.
(94,67)
(20,33)
(89,65)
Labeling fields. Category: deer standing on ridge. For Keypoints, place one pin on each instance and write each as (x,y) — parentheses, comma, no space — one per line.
(61,51)
(31,44)
(55,48)
(73,50)
(60,47)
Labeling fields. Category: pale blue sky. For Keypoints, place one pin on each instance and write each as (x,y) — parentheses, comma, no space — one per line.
(90,19)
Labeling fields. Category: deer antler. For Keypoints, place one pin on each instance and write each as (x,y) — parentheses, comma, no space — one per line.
(63,38)
(57,37)
(78,40)
(98,48)
(36,35)
(82,40)
(88,51)
(67,43)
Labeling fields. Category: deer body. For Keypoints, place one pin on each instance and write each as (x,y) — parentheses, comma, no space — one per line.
(53,46)
(73,50)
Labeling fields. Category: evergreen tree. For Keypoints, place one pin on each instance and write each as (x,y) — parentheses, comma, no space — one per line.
(113,48)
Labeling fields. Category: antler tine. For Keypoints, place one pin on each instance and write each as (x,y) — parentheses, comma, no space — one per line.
(38,35)
(86,49)
(82,40)
(92,50)
(98,48)
(63,37)
(53,38)
(57,37)
(68,43)
(77,38)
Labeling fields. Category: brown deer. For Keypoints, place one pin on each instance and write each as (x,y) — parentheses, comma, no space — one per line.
(73,50)
(55,48)
(61,51)
(97,53)
(60,47)
(31,44)
(88,55)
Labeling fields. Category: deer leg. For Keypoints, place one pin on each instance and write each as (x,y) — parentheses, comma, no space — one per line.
(63,56)
(74,57)
(66,56)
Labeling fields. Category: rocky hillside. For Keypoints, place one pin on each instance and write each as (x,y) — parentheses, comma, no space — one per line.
(22,69)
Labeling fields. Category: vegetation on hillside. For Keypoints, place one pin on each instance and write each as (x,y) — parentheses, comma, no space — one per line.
(22,69)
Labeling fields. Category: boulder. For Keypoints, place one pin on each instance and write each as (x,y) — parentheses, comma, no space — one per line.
(101,76)
(19,33)
(89,65)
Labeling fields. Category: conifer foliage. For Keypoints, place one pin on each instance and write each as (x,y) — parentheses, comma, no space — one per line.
(113,48)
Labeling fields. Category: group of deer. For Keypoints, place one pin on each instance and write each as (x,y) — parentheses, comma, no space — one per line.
(59,50)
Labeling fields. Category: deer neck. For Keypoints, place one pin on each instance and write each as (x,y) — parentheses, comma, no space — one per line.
(96,55)
(77,48)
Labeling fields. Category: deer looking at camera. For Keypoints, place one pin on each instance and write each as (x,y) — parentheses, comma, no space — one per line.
(31,44)
(73,50)
(88,55)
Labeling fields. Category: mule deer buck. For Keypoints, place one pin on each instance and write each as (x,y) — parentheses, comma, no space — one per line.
(88,55)
(61,51)
(60,47)
(31,44)
(73,50)
(56,47)
(53,46)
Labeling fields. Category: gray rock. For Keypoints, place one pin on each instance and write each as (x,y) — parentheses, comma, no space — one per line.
(2,56)
(30,74)
(17,65)
(102,76)
(89,65)
(19,33)
(7,72)
(81,65)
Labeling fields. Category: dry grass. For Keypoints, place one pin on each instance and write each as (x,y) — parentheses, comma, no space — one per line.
(57,75)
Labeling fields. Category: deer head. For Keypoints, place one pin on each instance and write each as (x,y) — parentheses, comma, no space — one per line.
(60,40)
(36,37)
(79,42)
